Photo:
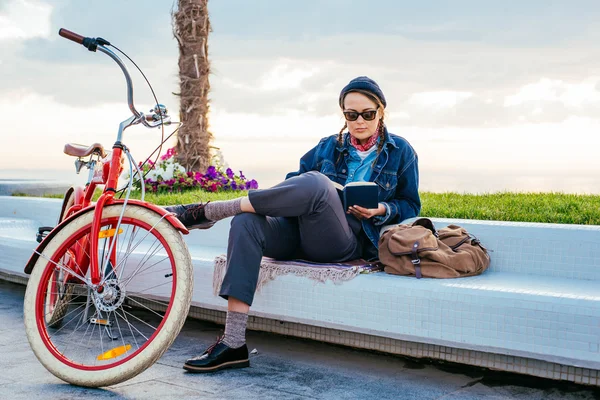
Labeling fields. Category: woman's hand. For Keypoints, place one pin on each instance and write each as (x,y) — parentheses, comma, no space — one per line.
(360,212)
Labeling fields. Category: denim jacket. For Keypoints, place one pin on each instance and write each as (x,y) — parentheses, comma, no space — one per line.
(396,173)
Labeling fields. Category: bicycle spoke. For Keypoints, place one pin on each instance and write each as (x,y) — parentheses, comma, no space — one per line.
(159,272)
(139,320)
(131,325)
(146,307)
(140,270)
(65,325)
(123,259)
(121,333)
(151,253)
(71,312)
(126,256)
(63,268)
(124,318)
(154,287)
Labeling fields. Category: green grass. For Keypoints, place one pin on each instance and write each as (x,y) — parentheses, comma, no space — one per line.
(188,197)
(506,206)
(50,196)
(558,208)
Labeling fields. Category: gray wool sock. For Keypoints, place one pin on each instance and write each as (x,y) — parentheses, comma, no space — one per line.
(235,329)
(217,210)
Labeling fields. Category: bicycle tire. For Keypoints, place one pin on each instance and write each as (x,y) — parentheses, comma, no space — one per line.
(74,362)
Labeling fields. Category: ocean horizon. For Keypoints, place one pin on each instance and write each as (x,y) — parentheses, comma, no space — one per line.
(476,181)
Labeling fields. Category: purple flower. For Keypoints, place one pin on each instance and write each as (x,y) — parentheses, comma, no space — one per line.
(213,180)
(211,172)
(252,184)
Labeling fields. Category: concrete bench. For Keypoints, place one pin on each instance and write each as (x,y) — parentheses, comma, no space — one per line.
(536,310)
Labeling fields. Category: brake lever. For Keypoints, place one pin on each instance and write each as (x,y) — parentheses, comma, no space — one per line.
(158,117)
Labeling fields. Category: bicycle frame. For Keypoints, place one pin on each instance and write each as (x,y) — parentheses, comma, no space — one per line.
(97,313)
(106,173)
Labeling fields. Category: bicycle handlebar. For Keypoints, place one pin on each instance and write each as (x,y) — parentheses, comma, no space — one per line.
(89,43)
(93,44)
(67,34)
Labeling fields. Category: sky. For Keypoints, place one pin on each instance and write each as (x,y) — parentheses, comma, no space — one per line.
(492,96)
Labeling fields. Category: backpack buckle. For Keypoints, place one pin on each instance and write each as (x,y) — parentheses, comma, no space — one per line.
(415,260)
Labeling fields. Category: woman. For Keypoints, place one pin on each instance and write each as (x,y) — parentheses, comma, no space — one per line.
(303,216)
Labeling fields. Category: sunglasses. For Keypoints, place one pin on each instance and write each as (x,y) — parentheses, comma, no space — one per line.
(367,115)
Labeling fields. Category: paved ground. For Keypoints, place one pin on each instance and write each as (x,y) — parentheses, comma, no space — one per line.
(284,368)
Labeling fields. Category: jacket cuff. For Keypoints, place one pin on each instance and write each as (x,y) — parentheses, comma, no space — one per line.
(381,219)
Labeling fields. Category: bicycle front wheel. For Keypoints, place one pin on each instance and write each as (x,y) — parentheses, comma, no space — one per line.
(113,331)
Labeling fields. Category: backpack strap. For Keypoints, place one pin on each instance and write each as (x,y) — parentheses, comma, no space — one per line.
(416,260)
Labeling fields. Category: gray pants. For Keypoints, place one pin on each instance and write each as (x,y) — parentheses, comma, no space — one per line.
(301,217)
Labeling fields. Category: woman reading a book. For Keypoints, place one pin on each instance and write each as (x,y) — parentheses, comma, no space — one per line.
(304,217)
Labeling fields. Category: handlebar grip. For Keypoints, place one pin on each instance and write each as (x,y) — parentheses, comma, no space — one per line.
(71,35)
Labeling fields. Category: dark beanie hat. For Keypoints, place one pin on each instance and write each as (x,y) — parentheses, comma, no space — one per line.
(363,83)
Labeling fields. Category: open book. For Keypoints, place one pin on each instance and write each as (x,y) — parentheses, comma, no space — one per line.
(362,194)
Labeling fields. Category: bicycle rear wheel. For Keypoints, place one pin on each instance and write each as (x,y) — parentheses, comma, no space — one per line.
(59,291)
(112,332)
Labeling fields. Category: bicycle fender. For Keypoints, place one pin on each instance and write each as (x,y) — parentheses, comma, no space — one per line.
(172,219)
(159,210)
(64,204)
(40,248)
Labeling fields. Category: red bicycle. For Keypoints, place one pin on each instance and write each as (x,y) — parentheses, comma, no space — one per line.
(110,286)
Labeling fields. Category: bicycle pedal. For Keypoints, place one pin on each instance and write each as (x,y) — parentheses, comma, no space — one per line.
(42,233)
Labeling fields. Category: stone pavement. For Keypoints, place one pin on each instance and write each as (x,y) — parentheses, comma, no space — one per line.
(284,368)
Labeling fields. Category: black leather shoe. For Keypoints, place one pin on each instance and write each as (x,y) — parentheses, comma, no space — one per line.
(191,215)
(217,357)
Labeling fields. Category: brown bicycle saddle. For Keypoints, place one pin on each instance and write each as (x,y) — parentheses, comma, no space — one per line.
(81,150)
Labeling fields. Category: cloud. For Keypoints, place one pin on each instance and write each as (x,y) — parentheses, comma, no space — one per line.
(439,100)
(44,127)
(276,58)
(571,95)
(285,76)
(52,66)
(24,19)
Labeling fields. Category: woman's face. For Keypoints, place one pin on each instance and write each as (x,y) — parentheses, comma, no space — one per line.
(361,129)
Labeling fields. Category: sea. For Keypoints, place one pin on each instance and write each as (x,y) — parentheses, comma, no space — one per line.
(471,180)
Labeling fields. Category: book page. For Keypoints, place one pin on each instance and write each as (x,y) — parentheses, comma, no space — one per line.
(337,186)
(361,183)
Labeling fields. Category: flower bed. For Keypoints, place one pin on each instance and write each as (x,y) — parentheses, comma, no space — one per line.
(168,176)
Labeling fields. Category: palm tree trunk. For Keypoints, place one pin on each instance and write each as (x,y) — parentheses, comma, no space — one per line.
(191,27)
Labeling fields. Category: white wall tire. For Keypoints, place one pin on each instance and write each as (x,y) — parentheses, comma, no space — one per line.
(164,336)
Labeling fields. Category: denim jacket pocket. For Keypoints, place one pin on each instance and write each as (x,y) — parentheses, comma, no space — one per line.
(328,169)
(387,185)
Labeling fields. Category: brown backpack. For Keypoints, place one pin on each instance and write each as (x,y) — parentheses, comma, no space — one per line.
(418,249)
